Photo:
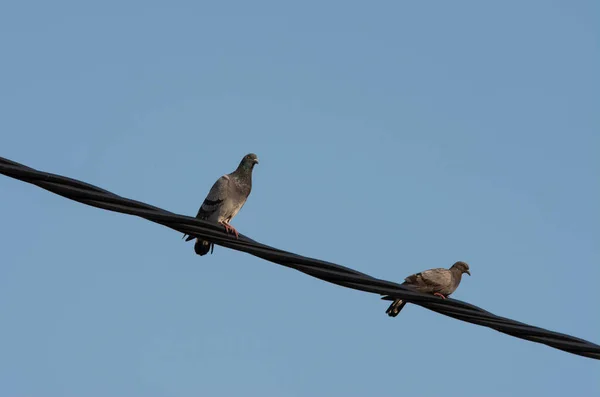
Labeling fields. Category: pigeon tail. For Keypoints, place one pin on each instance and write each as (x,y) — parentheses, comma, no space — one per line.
(202,247)
(395,308)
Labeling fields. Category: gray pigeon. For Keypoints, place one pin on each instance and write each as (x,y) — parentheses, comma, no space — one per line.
(225,199)
(440,282)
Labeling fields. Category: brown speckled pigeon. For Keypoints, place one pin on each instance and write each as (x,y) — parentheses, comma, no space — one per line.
(440,282)
(225,199)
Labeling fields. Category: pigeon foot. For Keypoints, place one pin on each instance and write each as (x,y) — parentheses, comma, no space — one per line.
(440,295)
(230,229)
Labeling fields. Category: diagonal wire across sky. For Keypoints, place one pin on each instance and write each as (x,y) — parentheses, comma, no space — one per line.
(330,272)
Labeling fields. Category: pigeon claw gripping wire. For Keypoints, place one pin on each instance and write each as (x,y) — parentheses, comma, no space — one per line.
(440,295)
(230,229)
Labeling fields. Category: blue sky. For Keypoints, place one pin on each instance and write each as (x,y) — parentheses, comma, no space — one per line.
(393,137)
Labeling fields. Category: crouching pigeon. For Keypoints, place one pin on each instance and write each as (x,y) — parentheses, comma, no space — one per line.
(439,282)
(225,199)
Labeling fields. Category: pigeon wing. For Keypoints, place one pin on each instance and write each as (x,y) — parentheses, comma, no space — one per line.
(431,281)
(215,199)
(426,281)
(210,208)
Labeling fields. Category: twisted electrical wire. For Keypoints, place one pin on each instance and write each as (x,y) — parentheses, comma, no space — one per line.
(327,271)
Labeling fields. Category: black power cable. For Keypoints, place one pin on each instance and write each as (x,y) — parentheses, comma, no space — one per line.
(327,271)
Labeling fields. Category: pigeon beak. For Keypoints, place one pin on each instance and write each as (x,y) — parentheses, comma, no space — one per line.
(468,272)
(255,161)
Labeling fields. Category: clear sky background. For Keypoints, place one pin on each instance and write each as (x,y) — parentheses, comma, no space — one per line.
(393,136)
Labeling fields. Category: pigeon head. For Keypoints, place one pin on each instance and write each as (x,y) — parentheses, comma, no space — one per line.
(249,161)
(462,267)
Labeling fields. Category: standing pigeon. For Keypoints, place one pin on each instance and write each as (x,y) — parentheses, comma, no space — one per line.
(439,282)
(225,199)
